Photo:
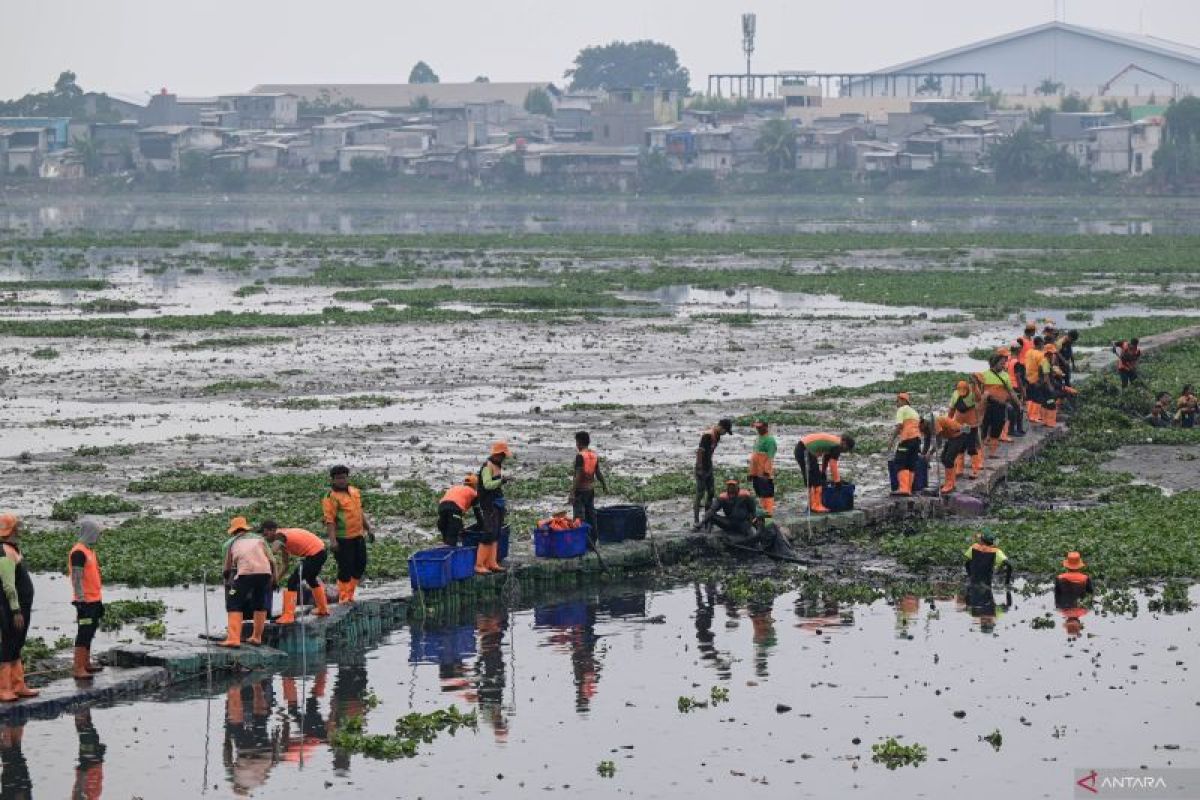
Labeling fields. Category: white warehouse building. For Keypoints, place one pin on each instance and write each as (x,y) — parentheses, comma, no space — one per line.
(1086,61)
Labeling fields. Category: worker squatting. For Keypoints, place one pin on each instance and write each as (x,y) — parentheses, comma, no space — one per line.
(1023,383)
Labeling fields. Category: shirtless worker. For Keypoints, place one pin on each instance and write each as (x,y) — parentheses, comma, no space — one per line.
(706,487)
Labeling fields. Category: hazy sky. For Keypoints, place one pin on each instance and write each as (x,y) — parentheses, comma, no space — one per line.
(201,48)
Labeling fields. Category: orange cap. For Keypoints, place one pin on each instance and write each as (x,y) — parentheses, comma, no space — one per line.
(731,482)
(1003,351)
(500,448)
(1030,327)
(1073,561)
(471,480)
(8,524)
(904,397)
(963,386)
(238,524)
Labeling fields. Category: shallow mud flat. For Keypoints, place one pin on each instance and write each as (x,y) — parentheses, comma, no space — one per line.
(796,696)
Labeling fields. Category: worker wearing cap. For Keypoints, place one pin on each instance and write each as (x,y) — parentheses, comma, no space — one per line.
(248,572)
(454,503)
(1072,585)
(706,486)
(585,473)
(1025,341)
(83,568)
(908,433)
(983,558)
(348,531)
(1016,379)
(1033,374)
(493,506)
(966,408)
(818,455)
(1066,353)
(16,608)
(762,466)
(732,511)
(949,433)
(310,549)
(999,396)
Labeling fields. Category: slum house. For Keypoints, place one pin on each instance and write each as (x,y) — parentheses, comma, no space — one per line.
(329,138)
(265,110)
(24,149)
(1126,149)
(573,118)
(621,119)
(114,144)
(161,147)
(57,130)
(827,147)
(728,149)
(584,165)
(1075,125)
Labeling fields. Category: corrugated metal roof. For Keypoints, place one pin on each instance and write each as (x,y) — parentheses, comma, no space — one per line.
(404,95)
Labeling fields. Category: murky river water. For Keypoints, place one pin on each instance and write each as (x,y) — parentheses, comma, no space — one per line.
(562,687)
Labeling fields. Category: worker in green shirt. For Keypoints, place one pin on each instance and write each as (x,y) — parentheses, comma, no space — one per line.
(762,467)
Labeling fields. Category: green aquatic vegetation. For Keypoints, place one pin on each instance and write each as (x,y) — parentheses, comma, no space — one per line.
(410,732)
(606,769)
(686,705)
(365,401)
(250,290)
(1123,328)
(122,612)
(718,695)
(301,403)
(153,630)
(779,417)
(230,342)
(296,460)
(934,385)
(995,739)
(1174,599)
(80,284)
(594,406)
(562,296)
(352,275)
(88,451)
(76,466)
(45,353)
(239,385)
(1121,602)
(36,650)
(104,305)
(1043,622)
(893,755)
(80,505)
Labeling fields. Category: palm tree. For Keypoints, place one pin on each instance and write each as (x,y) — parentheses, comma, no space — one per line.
(777,141)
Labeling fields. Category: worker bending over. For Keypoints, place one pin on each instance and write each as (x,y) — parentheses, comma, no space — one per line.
(732,511)
(983,558)
(454,504)
(908,450)
(583,483)
(762,467)
(248,572)
(348,531)
(83,567)
(310,549)
(818,454)
(706,486)
(949,434)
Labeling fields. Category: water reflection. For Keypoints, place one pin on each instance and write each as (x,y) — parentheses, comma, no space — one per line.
(89,771)
(349,699)
(979,601)
(15,782)
(250,738)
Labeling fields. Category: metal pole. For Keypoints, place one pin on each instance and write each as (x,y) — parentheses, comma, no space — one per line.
(303,660)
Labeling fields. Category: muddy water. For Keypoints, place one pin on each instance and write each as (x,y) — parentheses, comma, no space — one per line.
(560,688)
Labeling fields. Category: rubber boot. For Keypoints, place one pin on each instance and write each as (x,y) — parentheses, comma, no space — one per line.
(1050,417)
(288,617)
(321,600)
(815,503)
(18,681)
(481,567)
(342,590)
(351,588)
(950,482)
(768,504)
(1035,412)
(977,463)
(234,637)
(696,512)
(904,479)
(260,624)
(1004,437)
(492,564)
(80,670)
(6,692)
(290,695)
(92,666)
(234,709)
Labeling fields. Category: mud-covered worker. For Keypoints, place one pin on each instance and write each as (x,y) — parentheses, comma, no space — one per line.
(949,433)
(1066,354)
(310,549)
(83,568)
(348,531)
(1033,388)
(1128,354)
(818,455)
(1188,406)
(585,475)
(494,507)
(706,486)
(1072,585)
(458,500)
(768,536)
(965,407)
(733,511)
(983,558)
(1016,416)
(248,572)
(762,466)
(1160,413)
(907,437)
(15,610)
(999,396)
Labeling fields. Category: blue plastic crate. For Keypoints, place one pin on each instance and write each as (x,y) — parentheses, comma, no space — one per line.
(570,543)
(429,569)
(441,645)
(618,523)
(462,562)
(561,615)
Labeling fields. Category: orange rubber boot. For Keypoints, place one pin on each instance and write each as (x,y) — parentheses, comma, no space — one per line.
(321,600)
(904,479)
(815,504)
(234,637)
(288,616)
(1004,437)
(80,665)
(1050,417)
(977,463)
(493,565)
(352,586)
(18,681)
(481,567)
(768,504)
(6,692)
(950,482)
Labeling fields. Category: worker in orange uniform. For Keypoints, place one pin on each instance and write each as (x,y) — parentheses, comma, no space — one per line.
(15,611)
(454,503)
(1072,585)
(983,558)
(949,433)
(733,511)
(999,396)
(1016,415)
(908,433)
(1033,388)
(966,408)
(585,474)
(83,567)
(762,467)
(348,531)
(493,506)
(818,454)
(248,571)
(1128,354)
(310,549)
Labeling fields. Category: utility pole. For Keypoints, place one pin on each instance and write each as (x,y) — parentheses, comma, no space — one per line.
(748,25)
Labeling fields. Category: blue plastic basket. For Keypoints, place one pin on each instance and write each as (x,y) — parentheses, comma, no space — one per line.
(570,543)
(462,563)
(618,523)
(429,569)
